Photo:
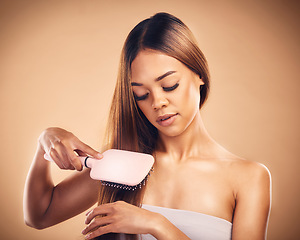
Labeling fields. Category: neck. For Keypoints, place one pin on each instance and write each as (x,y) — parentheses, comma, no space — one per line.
(192,142)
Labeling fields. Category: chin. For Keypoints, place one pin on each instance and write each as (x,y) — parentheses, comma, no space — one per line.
(171,131)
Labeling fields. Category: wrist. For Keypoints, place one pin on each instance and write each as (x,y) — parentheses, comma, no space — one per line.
(39,156)
(162,228)
(159,226)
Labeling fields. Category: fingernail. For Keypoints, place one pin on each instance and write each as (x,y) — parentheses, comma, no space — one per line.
(99,155)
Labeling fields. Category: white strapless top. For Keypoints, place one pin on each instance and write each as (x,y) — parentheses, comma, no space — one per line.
(197,226)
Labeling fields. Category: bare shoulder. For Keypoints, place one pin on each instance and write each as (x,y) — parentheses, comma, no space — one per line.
(241,165)
(251,185)
(246,174)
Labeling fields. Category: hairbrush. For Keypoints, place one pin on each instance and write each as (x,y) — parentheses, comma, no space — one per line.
(119,168)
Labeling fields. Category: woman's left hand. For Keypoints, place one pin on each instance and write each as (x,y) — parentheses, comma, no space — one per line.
(119,217)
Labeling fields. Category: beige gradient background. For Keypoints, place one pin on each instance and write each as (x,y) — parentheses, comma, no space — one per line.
(58,65)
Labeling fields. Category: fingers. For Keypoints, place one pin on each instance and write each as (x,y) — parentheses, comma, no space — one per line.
(87,149)
(54,156)
(100,210)
(59,153)
(62,146)
(100,231)
(96,223)
(73,159)
(83,150)
(99,224)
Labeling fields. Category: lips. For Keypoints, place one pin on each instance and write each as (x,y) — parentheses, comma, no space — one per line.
(166,120)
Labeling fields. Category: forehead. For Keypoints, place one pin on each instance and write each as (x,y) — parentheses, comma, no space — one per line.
(150,64)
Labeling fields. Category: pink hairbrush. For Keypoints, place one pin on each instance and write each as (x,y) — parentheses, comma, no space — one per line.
(119,168)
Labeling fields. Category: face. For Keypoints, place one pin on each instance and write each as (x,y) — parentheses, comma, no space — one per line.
(166,91)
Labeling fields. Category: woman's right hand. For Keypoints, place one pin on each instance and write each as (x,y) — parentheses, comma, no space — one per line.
(64,148)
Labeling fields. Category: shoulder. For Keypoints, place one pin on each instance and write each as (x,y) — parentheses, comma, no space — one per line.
(249,176)
(243,167)
(247,170)
(252,191)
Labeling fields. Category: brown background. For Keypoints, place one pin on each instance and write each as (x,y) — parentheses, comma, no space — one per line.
(58,65)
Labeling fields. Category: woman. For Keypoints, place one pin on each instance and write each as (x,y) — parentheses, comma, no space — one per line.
(198,189)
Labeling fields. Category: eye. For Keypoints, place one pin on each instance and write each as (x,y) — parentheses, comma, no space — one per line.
(137,98)
(169,89)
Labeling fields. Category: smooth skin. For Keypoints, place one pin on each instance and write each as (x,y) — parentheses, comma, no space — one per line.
(192,171)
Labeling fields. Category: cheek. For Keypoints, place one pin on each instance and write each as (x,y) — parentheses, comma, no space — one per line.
(189,95)
(194,93)
(189,99)
(145,108)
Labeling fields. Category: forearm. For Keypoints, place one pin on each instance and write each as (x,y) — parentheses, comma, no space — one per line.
(163,229)
(38,190)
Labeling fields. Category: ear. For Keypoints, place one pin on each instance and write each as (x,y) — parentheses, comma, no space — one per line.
(198,80)
(201,81)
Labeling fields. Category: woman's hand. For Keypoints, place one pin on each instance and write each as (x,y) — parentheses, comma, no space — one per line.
(62,147)
(119,217)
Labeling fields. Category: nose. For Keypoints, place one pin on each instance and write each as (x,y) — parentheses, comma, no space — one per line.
(159,101)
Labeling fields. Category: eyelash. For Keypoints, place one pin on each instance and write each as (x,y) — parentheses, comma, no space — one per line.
(166,89)
(141,97)
(169,89)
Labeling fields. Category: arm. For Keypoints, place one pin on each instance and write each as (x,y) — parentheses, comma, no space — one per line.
(45,204)
(253,202)
(163,229)
(121,217)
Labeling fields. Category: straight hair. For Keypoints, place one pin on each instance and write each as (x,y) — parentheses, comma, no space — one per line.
(127,127)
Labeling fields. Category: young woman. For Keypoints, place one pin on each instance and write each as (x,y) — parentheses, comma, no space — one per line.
(198,189)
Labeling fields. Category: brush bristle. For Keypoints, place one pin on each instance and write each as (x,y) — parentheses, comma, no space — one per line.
(127,187)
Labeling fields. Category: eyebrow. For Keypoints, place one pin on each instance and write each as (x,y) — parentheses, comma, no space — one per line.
(157,79)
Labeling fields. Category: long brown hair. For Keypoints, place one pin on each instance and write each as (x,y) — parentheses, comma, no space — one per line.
(128,128)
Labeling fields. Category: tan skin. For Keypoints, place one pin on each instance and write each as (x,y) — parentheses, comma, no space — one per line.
(192,172)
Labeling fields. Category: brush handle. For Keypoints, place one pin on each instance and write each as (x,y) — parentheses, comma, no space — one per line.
(85,161)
